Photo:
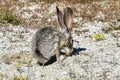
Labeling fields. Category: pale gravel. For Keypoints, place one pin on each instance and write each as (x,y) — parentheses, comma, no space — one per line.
(100,60)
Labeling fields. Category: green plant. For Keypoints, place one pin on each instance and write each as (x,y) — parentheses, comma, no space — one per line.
(98,36)
(16,77)
(75,24)
(108,29)
(8,16)
(69,78)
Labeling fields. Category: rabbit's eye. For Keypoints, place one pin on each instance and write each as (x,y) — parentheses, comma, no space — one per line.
(72,41)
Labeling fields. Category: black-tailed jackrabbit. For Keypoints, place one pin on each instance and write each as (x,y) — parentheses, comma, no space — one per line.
(48,41)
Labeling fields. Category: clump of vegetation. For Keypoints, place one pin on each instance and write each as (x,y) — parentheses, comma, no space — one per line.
(16,77)
(109,29)
(75,24)
(69,78)
(78,32)
(98,36)
(8,16)
(18,64)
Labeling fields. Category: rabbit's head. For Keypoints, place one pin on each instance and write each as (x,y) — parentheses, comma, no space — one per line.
(65,22)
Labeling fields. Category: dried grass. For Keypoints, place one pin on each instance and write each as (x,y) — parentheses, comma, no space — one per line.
(88,10)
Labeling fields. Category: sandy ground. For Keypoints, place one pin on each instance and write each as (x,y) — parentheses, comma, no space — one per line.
(91,59)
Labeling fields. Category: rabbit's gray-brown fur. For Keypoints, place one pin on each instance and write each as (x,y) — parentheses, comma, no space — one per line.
(48,41)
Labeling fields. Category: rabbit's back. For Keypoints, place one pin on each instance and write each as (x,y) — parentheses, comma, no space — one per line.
(46,38)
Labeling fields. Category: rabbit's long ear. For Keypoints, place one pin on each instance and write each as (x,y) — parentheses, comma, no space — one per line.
(68,18)
(60,18)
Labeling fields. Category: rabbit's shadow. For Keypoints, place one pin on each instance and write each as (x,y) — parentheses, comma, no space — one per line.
(77,50)
(53,58)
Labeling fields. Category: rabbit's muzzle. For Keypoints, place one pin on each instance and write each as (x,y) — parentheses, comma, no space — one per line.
(67,51)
